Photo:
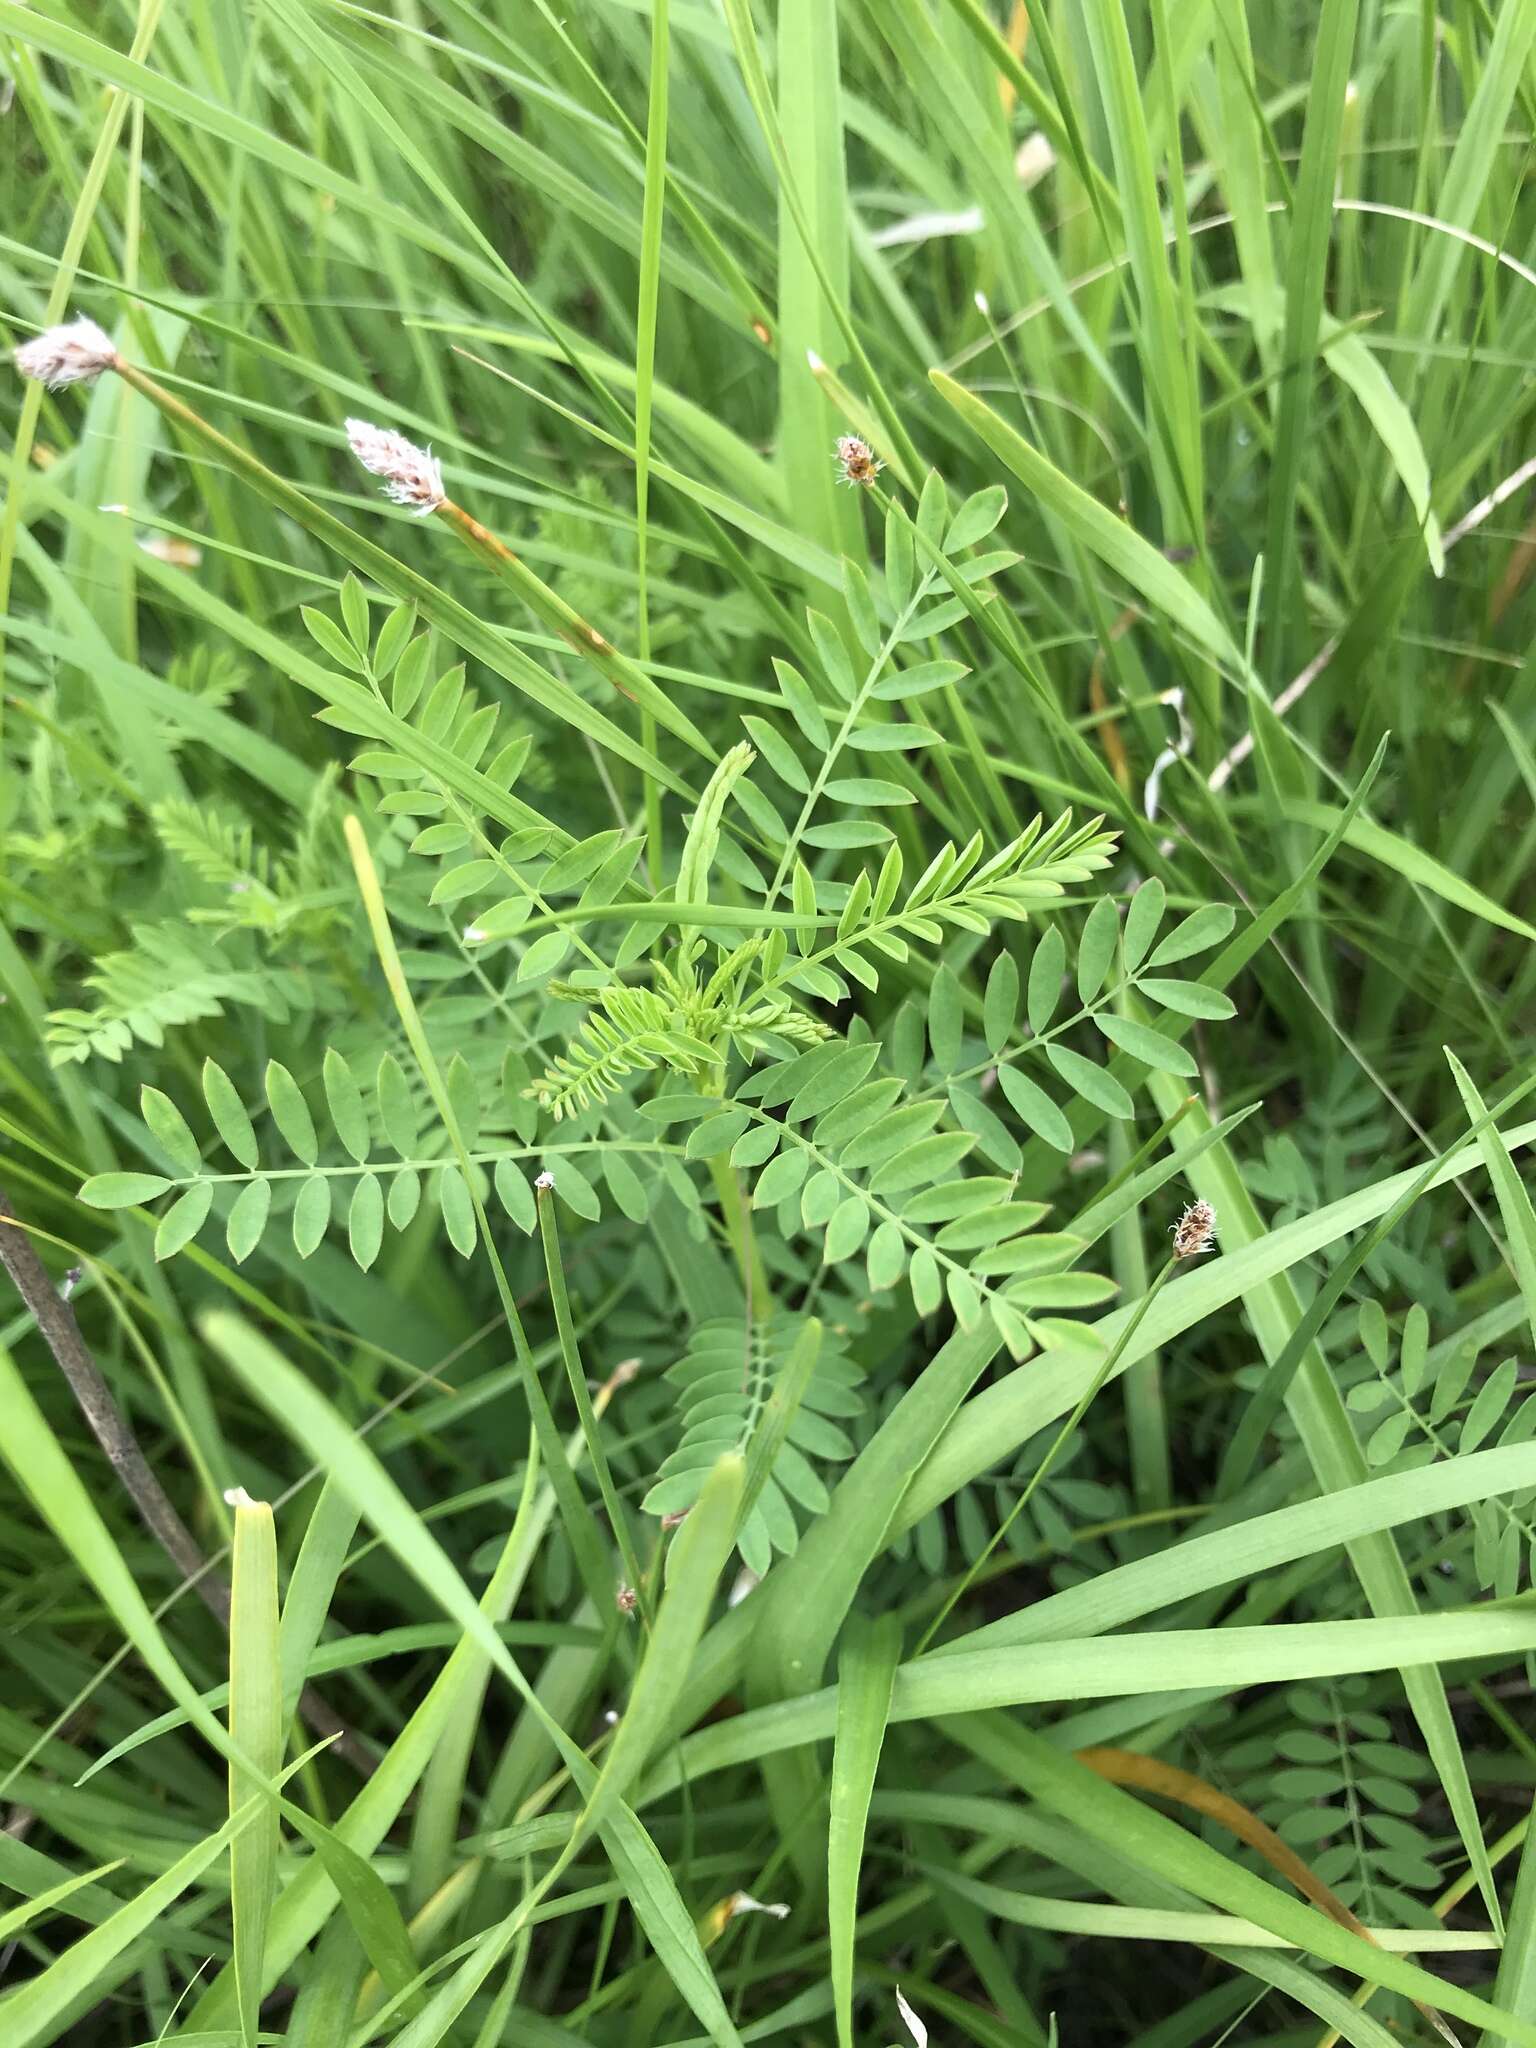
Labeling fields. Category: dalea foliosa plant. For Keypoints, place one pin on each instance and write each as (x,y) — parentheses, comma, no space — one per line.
(765,948)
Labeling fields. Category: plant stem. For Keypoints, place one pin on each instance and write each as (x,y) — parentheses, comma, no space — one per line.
(549,1230)
(738,1220)
(404,582)
(1049,1459)
(737,1211)
(627,677)
(56,1324)
(652,210)
(590,1562)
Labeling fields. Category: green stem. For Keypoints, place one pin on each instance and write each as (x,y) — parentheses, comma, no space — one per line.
(1111,1360)
(652,209)
(652,804)
(829,760)
(1146,1420)
(738,1221)
(579,634)
(737,1212)
(554,1266)
(590,1562)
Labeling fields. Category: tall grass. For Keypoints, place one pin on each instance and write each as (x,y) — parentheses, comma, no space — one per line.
(651,1057)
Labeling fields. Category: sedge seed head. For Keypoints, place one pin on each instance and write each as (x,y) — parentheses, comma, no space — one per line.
(1195,1231)
(857,462)
(76,353)
(413,476)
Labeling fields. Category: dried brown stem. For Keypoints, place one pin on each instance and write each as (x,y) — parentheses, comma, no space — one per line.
(60,1331)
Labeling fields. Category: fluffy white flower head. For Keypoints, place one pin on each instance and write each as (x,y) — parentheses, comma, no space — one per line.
(412,476)
(76,353)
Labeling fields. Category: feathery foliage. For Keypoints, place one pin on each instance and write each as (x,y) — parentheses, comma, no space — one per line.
(701,708)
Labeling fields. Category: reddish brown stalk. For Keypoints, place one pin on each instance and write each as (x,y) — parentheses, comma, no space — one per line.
(1167,1781)
(81,352)
(573,629)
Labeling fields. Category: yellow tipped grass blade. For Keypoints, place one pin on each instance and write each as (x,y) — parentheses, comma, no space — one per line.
(256,1724)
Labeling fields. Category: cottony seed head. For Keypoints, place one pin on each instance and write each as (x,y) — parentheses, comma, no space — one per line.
(856,461)
(412,476)
(1034,159)
(1195,1231)
(73,354)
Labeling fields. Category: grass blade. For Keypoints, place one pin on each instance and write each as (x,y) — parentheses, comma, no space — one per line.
(693,1571)
(866,1672)
(1122,550)
(1311,229)
(1103,1810)
(256,1724)
(1510,1190)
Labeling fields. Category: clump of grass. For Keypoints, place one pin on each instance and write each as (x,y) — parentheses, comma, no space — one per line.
(650,1048)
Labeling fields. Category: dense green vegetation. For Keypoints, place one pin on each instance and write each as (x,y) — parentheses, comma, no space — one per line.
(636,1019)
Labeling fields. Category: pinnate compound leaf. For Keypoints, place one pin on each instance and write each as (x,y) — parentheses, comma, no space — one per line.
(183,1220)
(365,1220)
(122,1190)
(170,1130)
(248,1219)
(230,1117)
(345,1100)
(290,1112)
